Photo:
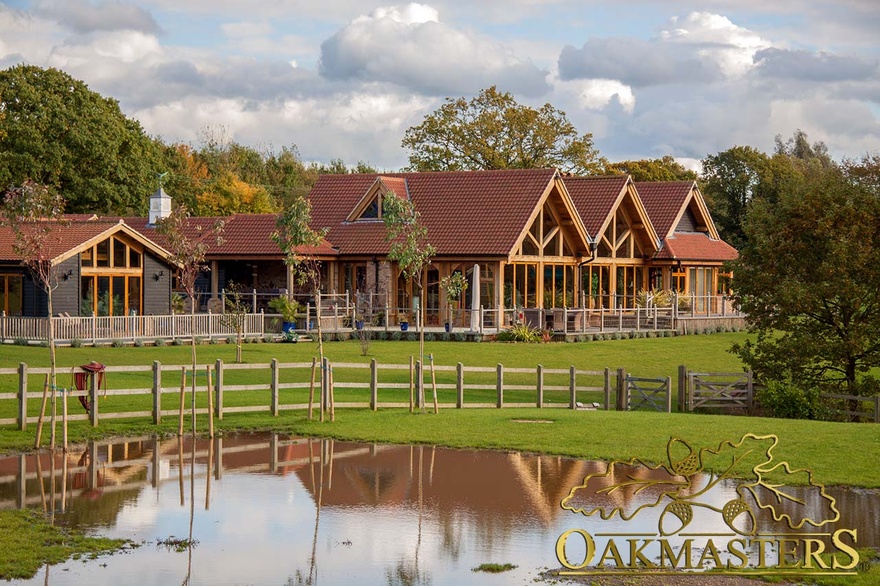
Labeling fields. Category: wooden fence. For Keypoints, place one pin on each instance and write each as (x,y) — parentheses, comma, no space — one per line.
(167,380)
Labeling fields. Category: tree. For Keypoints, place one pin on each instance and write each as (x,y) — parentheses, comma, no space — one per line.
(35,215)
(493,131)
(188,244)
(412,252)
(799,147)
(298,241)
(58,133)
(809,281)
(228,194)
(663,169)
(731,180)
(235,312)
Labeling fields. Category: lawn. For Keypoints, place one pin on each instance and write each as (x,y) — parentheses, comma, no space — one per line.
(839,453)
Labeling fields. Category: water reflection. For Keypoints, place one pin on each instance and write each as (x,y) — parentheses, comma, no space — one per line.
(272,509)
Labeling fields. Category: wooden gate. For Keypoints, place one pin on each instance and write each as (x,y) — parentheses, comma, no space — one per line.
(649,393)
(726,391)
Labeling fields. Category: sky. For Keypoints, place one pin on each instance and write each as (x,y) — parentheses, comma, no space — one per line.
(346,78)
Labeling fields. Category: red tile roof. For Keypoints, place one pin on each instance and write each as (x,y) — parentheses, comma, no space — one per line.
(64,237)
(594,198)
(663,201)
(693,246)
(466,213)
(243,235)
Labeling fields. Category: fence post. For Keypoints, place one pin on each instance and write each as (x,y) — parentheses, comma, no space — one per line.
(540,386)
(877,409)
(218,389)
(690,393)
(157,392)
(274,368)
(682,388)
(750,391)
(669,394)
(93,398)
(459,385)
(418,380)
(374,385)
(22,396)
(607,388)
(500,385)
(572,388)
(622,399)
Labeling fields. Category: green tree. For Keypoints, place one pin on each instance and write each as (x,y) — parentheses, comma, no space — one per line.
(412,252)
(799,147)
(56,132)
(731,180)
(663,169)
(809,281)
(493,131)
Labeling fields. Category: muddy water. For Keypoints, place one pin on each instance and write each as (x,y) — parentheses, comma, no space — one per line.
(269,509)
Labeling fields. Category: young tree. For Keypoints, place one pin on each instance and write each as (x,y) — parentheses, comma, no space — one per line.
(809,281)
(493,131)
(35,215)
(412,252)
(298,242)
(188,242)
(235,312)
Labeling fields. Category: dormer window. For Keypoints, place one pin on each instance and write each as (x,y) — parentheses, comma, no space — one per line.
(373,211)
(369,208)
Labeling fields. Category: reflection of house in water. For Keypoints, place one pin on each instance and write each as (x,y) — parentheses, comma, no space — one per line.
(505,488)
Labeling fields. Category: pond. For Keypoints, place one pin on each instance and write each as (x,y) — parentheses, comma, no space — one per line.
(272,509)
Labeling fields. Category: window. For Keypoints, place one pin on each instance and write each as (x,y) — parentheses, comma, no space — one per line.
(112,278)
(10,294)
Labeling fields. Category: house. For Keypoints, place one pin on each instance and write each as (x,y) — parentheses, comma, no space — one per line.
(100,267)
(526,239)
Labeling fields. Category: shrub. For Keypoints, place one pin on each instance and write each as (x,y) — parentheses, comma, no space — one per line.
(231,340)
(477,338)
(178,342)
(460,337)
(213,341)
(20,342)
(430,337)
(76,343)
(396,335)
(520,332)
(199,340)
(445,336)
(268,338)
(412,337)
(159,342)
(787,400)
(139,343)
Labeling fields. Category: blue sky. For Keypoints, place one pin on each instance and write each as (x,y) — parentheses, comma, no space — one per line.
(346,78)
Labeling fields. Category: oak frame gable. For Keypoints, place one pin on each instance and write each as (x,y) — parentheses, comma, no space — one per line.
(369,207)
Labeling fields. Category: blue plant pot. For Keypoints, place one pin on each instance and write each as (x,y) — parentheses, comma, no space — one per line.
(359,324)
(288,327)
(404,327)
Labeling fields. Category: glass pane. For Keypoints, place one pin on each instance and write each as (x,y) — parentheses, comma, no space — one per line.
(552,248)
(103,295)
(134,258)
(487,285)
(371,211)
(529,248)
(87,297)
(3,306)
(87,257)
(569,287)
(119,253)
(532,285)
(134,295)
(103,254)
(14,296)
(117,302)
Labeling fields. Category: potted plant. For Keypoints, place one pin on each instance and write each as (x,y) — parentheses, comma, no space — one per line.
(404,322)
(455,285)
(288,308)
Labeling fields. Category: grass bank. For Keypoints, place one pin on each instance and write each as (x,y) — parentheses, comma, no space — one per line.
(28,541)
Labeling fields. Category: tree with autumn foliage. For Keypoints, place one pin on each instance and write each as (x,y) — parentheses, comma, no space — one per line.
(493,131)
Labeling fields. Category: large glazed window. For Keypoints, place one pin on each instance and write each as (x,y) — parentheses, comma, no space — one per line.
(10,294)
(112,278)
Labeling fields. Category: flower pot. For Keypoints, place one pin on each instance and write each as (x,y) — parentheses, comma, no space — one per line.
(404,326)
(288,327)
(448,327)
(359,324)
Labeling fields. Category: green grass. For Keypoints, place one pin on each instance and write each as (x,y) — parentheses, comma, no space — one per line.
(839,453)
(28,541)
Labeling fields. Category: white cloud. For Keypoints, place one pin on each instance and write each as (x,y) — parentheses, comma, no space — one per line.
(85,17)
(410,47)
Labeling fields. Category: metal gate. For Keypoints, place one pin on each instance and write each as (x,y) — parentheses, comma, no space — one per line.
(649,393)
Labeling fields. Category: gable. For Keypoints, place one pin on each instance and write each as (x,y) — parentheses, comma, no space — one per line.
(676,206)
(554,228)
(370,205)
